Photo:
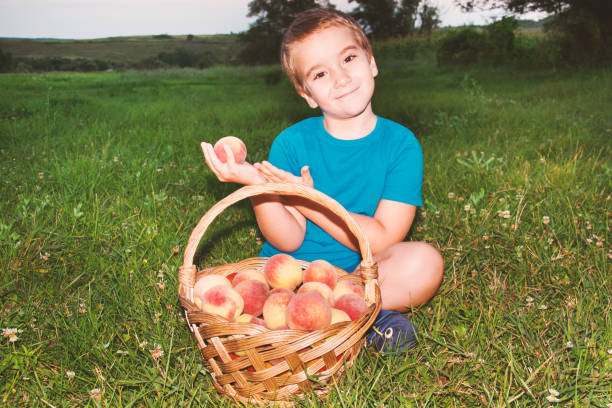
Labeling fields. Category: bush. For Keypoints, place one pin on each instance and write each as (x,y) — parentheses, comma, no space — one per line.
(179,57)
(6,61)
(461,46)
(62,64)
(580,40)
(500,40)
(397,49)
(184,58)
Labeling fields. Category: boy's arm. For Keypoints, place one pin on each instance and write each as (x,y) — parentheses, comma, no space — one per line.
(284,227)
(390,224)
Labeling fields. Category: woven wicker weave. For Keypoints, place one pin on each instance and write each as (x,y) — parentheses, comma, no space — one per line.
(252,364)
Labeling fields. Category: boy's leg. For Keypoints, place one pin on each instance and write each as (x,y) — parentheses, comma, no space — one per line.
(409,273)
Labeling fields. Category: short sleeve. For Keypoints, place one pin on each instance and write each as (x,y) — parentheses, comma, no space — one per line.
(404,179)
(281,155)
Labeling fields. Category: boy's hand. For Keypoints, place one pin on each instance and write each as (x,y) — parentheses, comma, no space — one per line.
(241,173)
(275,175)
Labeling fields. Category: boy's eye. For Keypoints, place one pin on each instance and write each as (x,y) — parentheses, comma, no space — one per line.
(319,75)
(350,58)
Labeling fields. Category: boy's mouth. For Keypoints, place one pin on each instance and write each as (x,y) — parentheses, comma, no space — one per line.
(347,93)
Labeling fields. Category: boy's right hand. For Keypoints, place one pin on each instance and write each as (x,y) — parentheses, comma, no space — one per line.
(243,173)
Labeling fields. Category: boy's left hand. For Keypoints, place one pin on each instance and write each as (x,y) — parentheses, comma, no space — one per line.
(275,175)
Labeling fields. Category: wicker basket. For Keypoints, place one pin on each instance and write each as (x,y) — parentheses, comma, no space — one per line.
(253,364)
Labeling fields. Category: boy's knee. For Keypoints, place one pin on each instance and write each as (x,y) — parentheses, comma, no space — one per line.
(427,260)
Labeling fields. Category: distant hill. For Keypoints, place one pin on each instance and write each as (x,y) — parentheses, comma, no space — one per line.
(124,50)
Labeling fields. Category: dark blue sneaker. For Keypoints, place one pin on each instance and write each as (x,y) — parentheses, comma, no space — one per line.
(392,332)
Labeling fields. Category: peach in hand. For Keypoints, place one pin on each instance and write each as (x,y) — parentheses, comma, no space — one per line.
(308,311)
(223,301)
(236,145)
(283,271)
(319,287)
(274,310)
(351,304)
(320,271)
(254,293)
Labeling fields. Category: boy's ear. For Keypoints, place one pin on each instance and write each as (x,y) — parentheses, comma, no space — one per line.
(311,102)
(373,66)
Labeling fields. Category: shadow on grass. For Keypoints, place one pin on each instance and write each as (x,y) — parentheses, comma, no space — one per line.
(211,244)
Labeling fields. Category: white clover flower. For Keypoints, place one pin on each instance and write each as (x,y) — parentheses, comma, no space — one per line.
(529,299)
(546,220)
(70,374)
(96,394)
(543,307)
(157,352)
(553,392)
(552,398)
(11,334)
(451,195)
(569,345)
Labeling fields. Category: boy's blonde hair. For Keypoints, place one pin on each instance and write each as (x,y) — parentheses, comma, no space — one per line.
(309,22)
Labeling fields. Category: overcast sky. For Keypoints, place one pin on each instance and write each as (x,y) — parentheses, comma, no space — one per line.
(110,18)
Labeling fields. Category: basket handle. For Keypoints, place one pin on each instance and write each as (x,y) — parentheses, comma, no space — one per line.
(187,272)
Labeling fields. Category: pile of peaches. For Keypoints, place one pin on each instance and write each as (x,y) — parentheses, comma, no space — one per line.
(282,296)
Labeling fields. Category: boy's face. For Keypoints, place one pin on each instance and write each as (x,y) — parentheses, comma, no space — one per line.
(337,74)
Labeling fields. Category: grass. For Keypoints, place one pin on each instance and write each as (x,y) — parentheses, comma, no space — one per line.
(103,178)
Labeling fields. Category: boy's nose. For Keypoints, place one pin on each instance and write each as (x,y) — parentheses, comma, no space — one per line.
(342,78)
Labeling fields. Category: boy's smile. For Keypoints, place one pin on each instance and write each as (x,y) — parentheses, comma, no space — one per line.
(337,74)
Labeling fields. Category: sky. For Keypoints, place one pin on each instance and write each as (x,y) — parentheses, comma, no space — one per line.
(85,19)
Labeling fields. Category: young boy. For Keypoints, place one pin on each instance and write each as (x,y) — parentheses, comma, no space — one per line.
(370,165)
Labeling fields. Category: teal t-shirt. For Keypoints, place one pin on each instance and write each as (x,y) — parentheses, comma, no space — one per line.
(385,164)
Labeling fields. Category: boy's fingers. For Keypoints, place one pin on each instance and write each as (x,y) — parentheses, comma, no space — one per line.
(307,177)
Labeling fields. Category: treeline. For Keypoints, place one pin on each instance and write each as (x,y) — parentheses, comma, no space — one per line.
(578,34)
(180,57)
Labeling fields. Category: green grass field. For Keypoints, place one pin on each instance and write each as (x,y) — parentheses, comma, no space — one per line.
(103,177)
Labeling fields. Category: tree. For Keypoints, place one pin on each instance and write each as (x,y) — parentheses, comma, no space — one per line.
(583,26)
(429,17)
(262,40)
(382,19)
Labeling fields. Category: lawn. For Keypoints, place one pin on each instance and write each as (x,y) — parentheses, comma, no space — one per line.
(103,180)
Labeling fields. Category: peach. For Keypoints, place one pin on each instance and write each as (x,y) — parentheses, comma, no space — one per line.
(339,316)
(283,271)
(254,293)
(319,287)
(348,286)
(308,311)
(320,271)
(223,301)
(274,310)
(205,283)
(247,318)
(282,290)
(250,274)
(352,304)
(236,145)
